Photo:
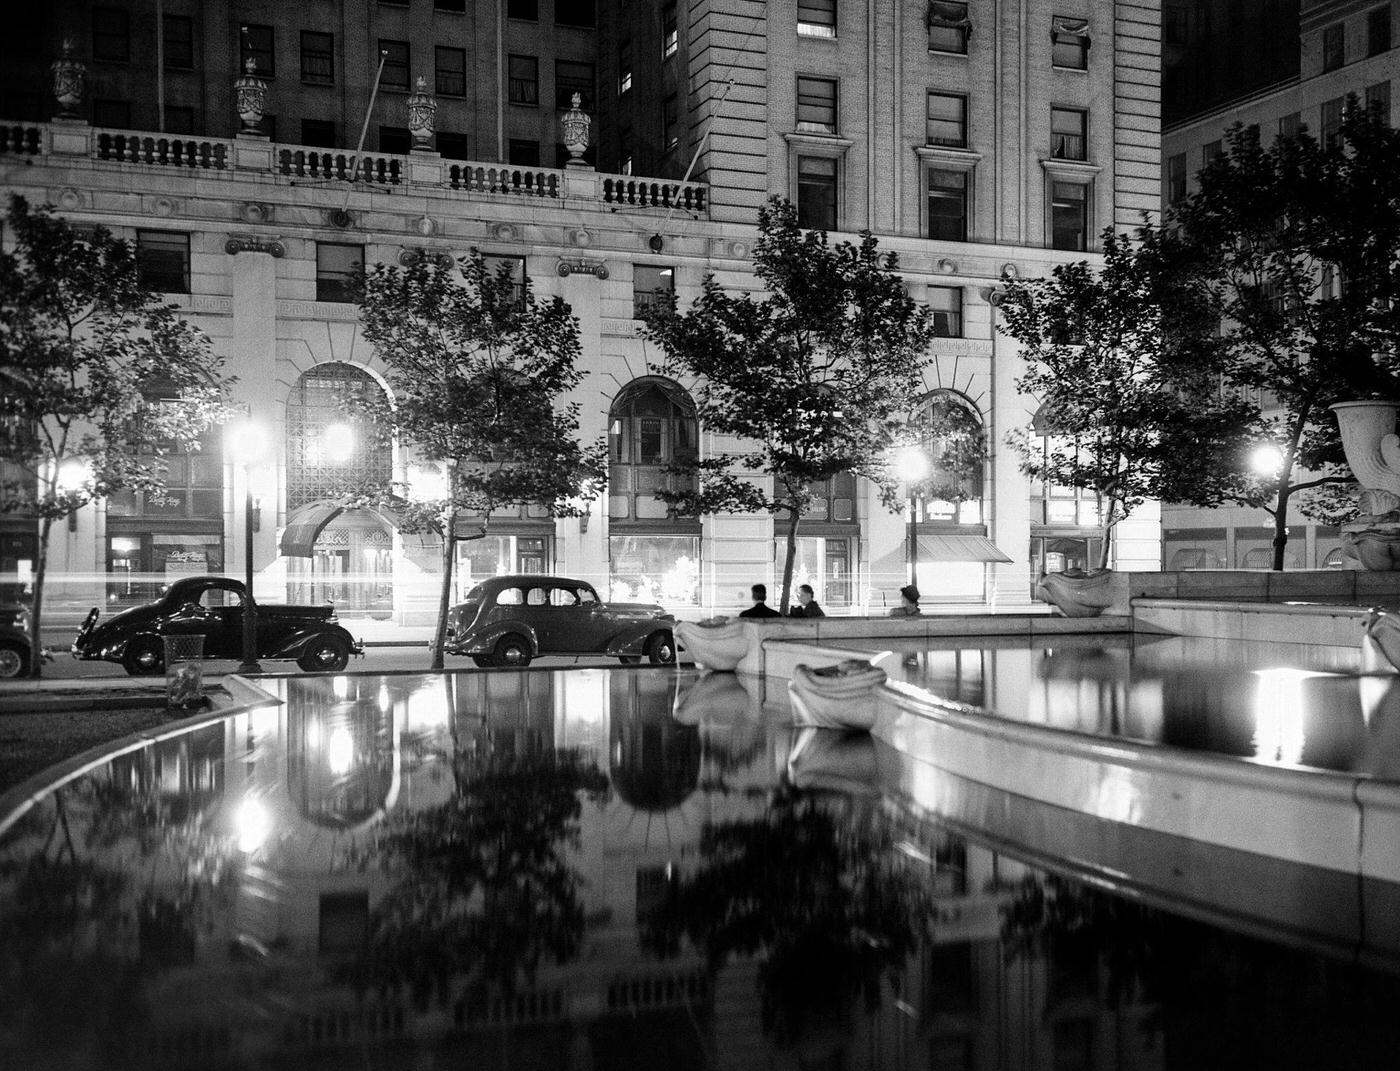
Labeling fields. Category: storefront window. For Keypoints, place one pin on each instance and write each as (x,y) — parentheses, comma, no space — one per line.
(498,555)
(142,565)
(655,568)
(825,563)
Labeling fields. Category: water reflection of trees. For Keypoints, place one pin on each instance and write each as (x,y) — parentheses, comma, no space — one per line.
(815,890)
(483,889)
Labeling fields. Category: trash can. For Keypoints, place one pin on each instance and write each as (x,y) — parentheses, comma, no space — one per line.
(184,671)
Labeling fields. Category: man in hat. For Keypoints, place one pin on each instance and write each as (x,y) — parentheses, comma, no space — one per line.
(908,602)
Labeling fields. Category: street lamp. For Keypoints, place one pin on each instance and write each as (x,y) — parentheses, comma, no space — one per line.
(1265,460)
(913,466)
(248,443)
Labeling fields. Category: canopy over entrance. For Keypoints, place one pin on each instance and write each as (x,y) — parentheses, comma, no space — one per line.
(306,523)
(958,547)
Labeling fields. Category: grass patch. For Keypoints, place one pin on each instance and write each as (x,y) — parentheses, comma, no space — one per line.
(31,743)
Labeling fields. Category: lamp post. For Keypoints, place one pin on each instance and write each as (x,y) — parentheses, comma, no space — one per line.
(247,442)
(913,466)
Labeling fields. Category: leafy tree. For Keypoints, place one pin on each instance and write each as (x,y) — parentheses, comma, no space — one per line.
(1128,378)
(813,379)
(476,366)
(1302,240)
(100,378)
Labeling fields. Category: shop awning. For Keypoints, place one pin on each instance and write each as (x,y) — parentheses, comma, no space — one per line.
(958,547)
(305,524)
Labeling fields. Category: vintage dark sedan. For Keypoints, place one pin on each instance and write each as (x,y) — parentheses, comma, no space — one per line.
(16,652)
(212,606)
(510,620)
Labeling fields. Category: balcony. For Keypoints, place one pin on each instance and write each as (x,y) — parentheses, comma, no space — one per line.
(57,142)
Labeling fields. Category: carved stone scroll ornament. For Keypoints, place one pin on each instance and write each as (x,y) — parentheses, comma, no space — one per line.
(270,246)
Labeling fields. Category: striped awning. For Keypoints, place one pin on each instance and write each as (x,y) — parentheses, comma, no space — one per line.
(958,547)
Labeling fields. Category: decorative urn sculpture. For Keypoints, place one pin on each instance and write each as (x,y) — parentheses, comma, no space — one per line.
(1373,452)
(249,98)
(836,697)
(1078,594)
(422,116)
(68,76)
(575,124)
(719,643)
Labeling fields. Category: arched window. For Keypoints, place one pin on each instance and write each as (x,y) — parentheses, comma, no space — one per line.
(654,554)
(956,445)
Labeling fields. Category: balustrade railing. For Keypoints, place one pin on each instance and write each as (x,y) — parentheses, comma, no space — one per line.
(162,151)
(308,163)
(483,178)
(23,140)
(653,193)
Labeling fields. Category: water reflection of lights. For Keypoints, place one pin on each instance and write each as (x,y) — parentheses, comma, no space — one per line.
(384,701)
(252,824)
(341,687)
(264,720)
(340,750)
(1280,716)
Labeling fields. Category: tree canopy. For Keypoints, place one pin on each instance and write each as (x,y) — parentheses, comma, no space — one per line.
(810,380)
(478,368)
(101,378)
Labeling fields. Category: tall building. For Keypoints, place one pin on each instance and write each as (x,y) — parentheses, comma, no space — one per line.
(978,140)
(1341,48)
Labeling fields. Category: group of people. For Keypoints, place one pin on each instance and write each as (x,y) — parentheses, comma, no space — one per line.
(807,605)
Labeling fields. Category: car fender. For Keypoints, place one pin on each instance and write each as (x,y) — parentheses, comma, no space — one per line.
(484,641)
(632,640)
(292,646)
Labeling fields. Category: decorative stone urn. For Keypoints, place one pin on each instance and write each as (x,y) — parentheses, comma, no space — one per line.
(727,709)
(825,760)
(249,98)
(1078,594)
(719,643)
(575,124)
(836,697)
(68,76)
(422,116)
(1373,452)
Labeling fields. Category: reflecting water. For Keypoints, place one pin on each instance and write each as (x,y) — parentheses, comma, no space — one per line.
(641,869)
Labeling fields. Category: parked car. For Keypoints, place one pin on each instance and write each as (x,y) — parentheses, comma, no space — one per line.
(16,652)
(510,620)
(212,606)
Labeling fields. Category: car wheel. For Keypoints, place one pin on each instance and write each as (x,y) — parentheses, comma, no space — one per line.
(512,650)
(629,659)
(144,657)
(325,654)
(483,661)
(14,660)
(661,649)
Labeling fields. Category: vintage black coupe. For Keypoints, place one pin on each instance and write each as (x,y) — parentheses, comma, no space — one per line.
(510,620)
(213,606)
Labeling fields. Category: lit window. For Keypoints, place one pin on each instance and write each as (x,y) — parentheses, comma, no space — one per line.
(948,27)
(947,120)
(816,18)
(1070,43)
(624,67)
(1068,140)
(816,105)
(670,38)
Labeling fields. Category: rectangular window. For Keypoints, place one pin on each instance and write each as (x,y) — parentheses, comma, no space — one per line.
(670,123)
(523,153)
(947,120)
(1069,43)
(1378,100)
(816,193)
(450,71)
(1209,151)
(396,63)
(816,18)
(661,567)
(1069,216)
(1332,121)
(111,34)
(178,33)
(524,80)
(1289,125)
(163,261)
(947,205)
(1068,134)
(336,265)
(457,7)
(112,114)
(948,28)
(512,269)
(317,58)
(624,67)
(652,288)
(946,303)
(572,77)
(258,43)
(670,37)
(1176,178)
(575,13)
(1334,48)
(395,139)
(318,133)
(525,10)
(451,145)
(1378,31)
(816,105)
(179,120)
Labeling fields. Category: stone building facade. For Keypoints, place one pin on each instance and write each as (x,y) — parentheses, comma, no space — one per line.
(977,140)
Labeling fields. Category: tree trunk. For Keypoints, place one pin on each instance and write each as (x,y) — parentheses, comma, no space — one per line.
(449,548)
(36,613)
(1285,490)
(793,518)
(1106,551)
